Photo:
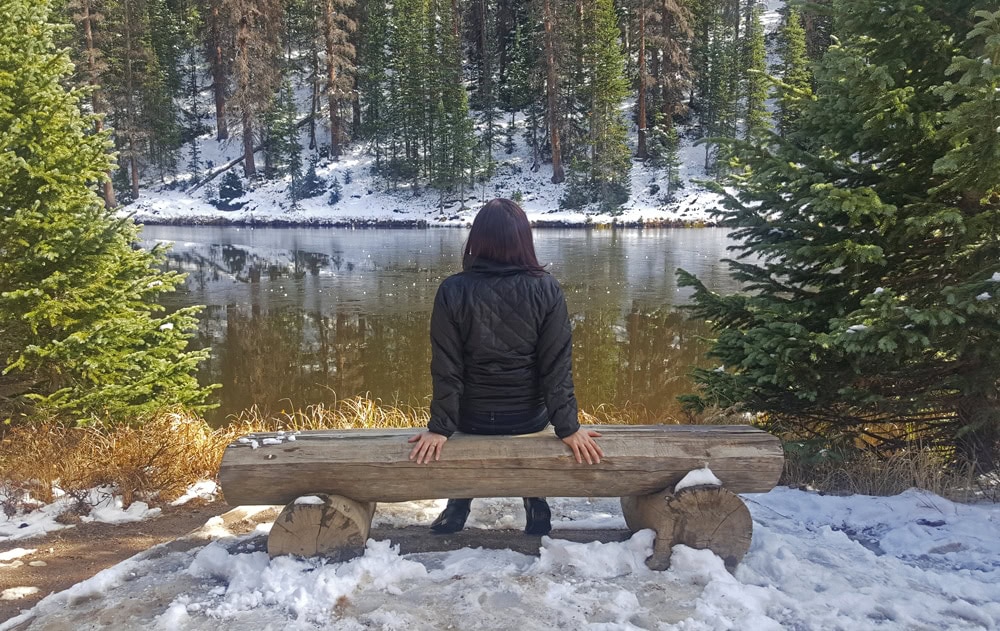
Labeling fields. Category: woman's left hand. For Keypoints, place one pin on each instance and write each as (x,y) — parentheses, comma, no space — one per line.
(428,447)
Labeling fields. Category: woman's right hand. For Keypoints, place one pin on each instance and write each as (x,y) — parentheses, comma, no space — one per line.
(584,446)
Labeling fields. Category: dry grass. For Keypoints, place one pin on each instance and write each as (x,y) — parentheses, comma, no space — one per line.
(868,474)
(157,460)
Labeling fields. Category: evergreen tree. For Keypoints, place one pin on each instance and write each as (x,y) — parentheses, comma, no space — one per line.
(88,16)
(230,189)
(456,138)
(218,44)
(796,79)
(610,158)
(372,78)
(256,28)
(664,154)
(869,245)
(78,330)
(336,28)
(408,65)
(756,117)
(553,115)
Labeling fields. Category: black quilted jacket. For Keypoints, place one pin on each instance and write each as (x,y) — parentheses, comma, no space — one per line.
(501,342)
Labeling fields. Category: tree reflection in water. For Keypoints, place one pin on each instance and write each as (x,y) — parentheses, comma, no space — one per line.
(292,326)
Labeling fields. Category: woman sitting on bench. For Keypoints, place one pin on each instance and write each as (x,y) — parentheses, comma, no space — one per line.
(501,354)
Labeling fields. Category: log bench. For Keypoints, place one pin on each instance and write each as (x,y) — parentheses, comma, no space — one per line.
(330,480)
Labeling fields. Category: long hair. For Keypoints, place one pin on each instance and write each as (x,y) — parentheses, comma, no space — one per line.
(501,233)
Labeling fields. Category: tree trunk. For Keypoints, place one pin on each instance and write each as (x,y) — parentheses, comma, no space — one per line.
(218,74)
(372,465)
(331,79)
(701,517)
(558,175)
(641,151)
(249,166)
(314,97)
(332,526)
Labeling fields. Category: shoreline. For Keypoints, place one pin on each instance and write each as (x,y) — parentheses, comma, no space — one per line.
(421,224)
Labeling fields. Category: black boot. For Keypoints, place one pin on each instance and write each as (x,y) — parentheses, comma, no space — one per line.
(452,518)
(539,517)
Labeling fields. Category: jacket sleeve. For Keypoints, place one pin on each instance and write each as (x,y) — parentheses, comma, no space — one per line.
(447,369)
(555,365)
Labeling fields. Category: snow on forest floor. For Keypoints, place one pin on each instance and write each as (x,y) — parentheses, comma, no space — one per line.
(913,561)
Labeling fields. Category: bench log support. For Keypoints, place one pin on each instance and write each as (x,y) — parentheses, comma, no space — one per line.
(701,517)
(337,528)
(356,468)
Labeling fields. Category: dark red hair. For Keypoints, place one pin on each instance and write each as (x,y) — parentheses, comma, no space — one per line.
(501,233)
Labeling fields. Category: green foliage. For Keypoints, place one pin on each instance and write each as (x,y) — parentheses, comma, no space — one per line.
(795,87)
(230,189)
(335,192)
(870,242)
(312,185)
(664,145)
(756,117)
(80,331)
(610,158)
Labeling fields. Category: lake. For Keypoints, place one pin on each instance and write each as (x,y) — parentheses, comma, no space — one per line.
(297,316)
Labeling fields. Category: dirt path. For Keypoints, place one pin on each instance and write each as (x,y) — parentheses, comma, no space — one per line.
(74,554)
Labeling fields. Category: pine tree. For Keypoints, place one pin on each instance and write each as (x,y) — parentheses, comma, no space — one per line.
(756,118)
(408,65)
(88,15)
(78,330)
(552,110)
(869,245)
(796,79)
(372,78)
(218,44)
(336,28)
(456,138)
(256,27)
(610,158)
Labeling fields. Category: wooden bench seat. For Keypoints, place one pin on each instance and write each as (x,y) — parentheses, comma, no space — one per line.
(351,470)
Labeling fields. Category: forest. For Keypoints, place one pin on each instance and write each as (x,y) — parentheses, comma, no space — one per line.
(431,88)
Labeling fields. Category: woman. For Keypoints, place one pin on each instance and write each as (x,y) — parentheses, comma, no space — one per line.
(501,354)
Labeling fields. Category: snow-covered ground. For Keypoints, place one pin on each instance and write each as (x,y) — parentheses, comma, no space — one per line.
(913,561)
(367,198)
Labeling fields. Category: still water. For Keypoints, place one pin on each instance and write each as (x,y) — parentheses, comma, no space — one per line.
(297,316)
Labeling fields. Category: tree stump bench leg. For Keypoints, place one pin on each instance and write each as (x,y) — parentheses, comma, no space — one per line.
(334,526)
(702,517)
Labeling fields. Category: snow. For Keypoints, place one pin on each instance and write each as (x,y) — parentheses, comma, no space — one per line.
(995,278)
(698,477)
(16,553)
(101,504)
(857,328)
(912,561)
(983,297)
(205,490)
(16,593)
(310,500)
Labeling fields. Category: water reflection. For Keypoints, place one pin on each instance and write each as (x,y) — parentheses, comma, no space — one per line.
(300,316)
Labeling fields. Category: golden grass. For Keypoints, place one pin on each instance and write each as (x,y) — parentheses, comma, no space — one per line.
(157,460)
(868,474)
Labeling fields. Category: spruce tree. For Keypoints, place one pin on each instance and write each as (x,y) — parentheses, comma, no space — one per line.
(80,331)
(756,118)
(869,244)
(610,158)
(372,78)
(796,79)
